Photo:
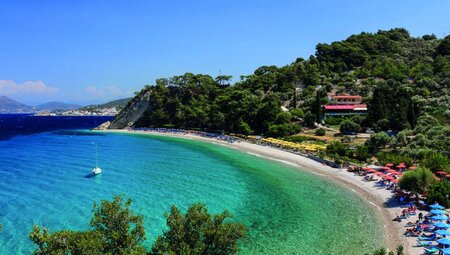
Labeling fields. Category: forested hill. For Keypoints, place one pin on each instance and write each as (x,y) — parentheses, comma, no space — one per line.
(403,79)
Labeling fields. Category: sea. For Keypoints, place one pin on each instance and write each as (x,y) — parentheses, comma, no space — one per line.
(45,165)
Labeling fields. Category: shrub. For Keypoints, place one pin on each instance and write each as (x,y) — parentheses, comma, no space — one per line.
(320,132)
(385,157)
(435,161)
(439,192)
(348,126)
(416,181)
(297,113)
(333,121)
(244,128)
(282,130)
(362,153)
(378,140)
(338,148)
(199,232)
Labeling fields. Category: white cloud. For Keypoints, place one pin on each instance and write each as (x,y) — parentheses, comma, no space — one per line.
(8,87)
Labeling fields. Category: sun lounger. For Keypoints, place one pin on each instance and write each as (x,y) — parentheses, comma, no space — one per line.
(424,243)
(431,250)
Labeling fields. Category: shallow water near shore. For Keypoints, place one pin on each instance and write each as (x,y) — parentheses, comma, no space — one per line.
(287,211)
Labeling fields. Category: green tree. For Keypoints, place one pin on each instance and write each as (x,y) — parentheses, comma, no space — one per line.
(116,230)
(416,181)
(362,153)
(378,140)
(320,131)
(198,232)
(121,230)
(435,161)
(348,126)
(338,148)
(439,193)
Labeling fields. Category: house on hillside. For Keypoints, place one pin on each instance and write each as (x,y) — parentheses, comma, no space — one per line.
(343,106)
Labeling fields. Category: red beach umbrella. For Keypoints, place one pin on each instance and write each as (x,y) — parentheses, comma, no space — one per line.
(394,180)
(380,174)
(391,171)
(447,175)
(401,165)
(372,171)
(389,164)
(366,168)
(396,173)
(385,168)
(442,173)
(412,168)
(388,177)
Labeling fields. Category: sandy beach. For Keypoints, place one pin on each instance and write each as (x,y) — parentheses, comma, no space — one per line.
(379,198)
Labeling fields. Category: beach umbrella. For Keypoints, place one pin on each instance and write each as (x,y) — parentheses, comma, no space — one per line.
(438,212)
(447,175)
(436,206)
(439,217)
(366,168)
(396,173)
(388,177)
(444,241)
(380,174)
(412,168)
(389,164)
(441,225)
(386,168)
(441,172)
(372,171)
(443,232)
(390,170)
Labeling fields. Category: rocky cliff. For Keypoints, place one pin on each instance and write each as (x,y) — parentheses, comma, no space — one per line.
(132,112)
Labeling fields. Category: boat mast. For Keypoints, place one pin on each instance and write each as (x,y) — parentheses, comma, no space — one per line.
(96,155)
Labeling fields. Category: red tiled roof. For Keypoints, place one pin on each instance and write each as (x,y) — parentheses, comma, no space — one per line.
(344,107)
(347,97)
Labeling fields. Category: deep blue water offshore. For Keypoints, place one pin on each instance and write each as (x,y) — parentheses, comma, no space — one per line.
(44,162)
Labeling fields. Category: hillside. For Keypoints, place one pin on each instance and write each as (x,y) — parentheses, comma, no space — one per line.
(404,80)
(52,106)
(118,104)
(8,105)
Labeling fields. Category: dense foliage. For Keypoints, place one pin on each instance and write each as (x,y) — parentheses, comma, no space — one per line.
(198,232)
(390,69)
(439,193)
(115,229)
(417,181)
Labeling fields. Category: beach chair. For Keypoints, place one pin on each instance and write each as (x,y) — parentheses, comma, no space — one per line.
(432,250)
(424,243)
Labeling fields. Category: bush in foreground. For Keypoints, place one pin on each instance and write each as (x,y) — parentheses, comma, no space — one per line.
(198,232)
(117,230)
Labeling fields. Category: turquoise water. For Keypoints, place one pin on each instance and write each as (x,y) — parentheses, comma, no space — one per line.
(287,211)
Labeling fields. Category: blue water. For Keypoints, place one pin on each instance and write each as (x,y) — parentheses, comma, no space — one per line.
(287,211)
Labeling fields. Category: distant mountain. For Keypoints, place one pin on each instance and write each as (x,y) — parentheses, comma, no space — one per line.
(8,105)
(53,106)
(118,104)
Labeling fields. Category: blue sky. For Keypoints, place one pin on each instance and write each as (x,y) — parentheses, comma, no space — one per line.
(97,50)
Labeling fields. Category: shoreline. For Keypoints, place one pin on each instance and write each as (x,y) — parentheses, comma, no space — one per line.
(375,197)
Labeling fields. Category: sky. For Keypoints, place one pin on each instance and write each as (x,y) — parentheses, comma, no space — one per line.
(93,51)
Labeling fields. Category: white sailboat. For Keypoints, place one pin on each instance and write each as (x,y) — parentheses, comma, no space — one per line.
(97,170)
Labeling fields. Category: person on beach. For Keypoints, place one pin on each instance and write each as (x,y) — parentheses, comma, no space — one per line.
(420,216)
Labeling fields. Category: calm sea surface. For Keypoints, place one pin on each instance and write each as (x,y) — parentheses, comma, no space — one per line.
(43,181)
